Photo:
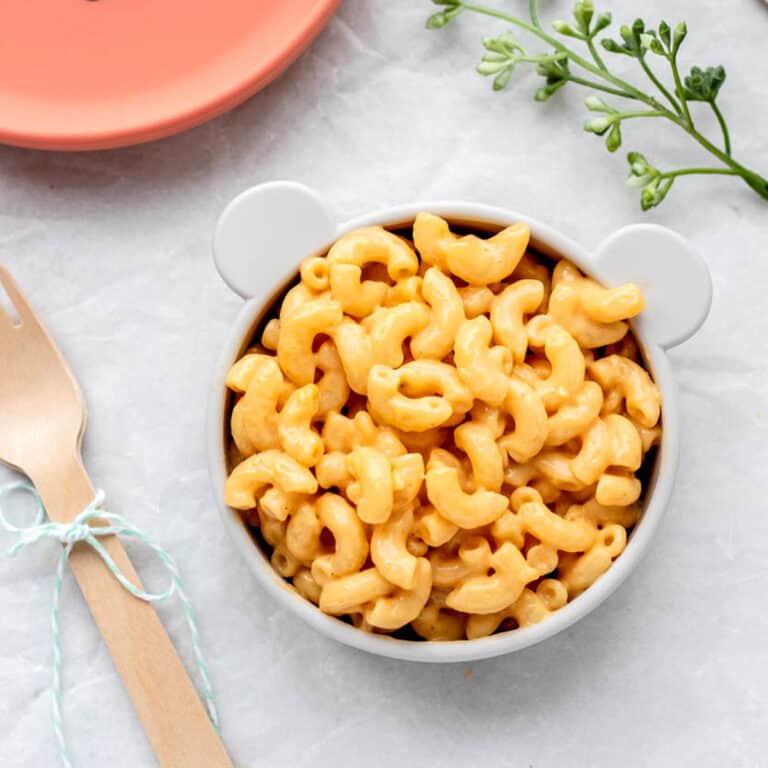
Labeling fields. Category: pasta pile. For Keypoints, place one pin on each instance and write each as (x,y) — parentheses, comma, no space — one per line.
(443,434)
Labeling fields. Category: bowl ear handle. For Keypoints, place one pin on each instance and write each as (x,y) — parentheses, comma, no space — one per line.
(266,231)
(674,279)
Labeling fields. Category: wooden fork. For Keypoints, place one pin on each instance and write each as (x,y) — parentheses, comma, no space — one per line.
(42,420)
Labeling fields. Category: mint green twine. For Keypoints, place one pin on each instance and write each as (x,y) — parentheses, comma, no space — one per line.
(70,534)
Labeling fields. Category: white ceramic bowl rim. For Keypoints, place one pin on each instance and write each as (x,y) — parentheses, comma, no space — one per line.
(658,259)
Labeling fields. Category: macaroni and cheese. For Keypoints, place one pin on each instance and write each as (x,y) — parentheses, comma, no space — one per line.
(442,435)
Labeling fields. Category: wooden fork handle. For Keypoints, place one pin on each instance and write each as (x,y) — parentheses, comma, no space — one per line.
(165,699)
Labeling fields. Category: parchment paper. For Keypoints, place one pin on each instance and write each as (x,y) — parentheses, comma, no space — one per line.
(113,248)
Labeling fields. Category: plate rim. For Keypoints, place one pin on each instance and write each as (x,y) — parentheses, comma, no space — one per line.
(178,120)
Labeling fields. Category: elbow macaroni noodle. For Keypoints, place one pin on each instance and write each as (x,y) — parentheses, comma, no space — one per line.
(443,437)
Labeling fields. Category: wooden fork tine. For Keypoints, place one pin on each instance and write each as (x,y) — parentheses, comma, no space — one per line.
(12,290)
(28,318)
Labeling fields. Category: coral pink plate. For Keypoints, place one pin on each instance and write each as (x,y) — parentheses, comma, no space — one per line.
(92,74)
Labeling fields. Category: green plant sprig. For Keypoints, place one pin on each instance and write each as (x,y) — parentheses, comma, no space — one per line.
(563,65)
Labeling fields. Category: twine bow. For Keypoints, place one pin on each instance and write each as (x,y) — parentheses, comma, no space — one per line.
(82,528)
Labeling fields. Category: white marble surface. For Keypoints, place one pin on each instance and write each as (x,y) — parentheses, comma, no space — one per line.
(113,248)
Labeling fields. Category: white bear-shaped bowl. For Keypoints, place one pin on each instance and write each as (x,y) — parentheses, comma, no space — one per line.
(265,233)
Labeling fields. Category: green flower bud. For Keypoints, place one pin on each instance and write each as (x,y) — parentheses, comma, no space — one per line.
(665,33)
(564,28)
(650,43)
(596,104)
(543,94)
(654,193)
(598,125)
(508,41)
(613,141)
(486,67)
(613,47)
(492,44)
(704,84)
(602,21)
(439,20)
(681,30)
(501,80)
(583,12)
(641,172)
(636,182)
(648,195)
(626,34)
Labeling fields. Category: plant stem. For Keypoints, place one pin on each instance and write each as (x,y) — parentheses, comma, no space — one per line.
(655,80)
(716,151)
(679,89)
(598,86)
(681,117)
(754,180)
(723,127)
(534,59)
(595,55)
(645,113)
(629,90)
(534,13)
(698,171)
